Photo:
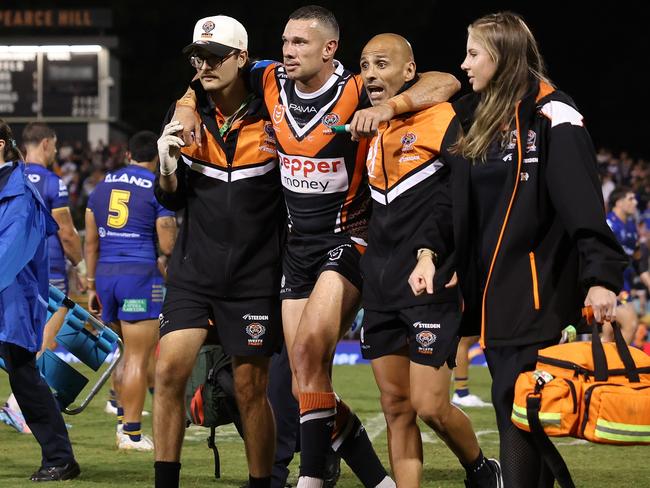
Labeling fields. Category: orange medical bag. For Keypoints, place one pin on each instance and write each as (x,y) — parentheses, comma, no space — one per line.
(588,390)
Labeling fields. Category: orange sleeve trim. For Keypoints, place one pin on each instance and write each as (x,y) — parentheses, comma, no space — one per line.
(318,400)
(533,272)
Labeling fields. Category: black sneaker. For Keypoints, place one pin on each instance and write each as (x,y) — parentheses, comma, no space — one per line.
(498,476)
(57,473)
(495,481)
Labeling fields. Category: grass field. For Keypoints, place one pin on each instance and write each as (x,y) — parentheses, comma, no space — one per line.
(92,434)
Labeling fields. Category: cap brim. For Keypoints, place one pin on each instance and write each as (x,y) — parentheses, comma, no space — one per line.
(211,47)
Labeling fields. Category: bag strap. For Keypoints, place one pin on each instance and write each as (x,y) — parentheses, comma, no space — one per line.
(213,445)
(631,370)
(549,452)
(601,370)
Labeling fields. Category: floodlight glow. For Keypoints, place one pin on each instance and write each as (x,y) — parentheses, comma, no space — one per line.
(80,48)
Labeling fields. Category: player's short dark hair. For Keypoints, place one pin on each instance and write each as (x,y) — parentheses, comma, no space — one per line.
(618,193)
(324,16)
(35,132)
(143,146)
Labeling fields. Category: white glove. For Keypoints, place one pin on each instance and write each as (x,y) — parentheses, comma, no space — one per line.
(169,148)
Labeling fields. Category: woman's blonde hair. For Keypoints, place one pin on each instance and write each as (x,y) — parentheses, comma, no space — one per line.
(512,47)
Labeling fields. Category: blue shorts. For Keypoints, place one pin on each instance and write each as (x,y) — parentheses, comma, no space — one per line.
(129,291)
(59,281)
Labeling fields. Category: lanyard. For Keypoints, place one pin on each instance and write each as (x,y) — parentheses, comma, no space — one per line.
(231,120)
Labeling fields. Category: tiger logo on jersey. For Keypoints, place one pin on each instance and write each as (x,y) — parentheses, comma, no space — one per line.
(407,141)
(330,120)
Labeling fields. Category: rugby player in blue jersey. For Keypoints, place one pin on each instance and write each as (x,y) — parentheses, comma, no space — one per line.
(40,145)
(124,226)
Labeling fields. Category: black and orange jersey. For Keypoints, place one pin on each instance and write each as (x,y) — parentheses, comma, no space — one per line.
(231,237)
(323,173)
(411,208)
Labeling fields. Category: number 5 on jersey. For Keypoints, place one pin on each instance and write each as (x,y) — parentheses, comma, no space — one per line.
(118,208)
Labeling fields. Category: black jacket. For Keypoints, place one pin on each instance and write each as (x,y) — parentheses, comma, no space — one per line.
(231,238)
(553,243)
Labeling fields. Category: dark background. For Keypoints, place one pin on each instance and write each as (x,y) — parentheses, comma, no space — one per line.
(596,52)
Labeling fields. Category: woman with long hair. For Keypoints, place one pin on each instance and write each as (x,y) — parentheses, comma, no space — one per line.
(532,244)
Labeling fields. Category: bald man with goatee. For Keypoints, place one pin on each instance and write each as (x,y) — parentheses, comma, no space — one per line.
(411,339)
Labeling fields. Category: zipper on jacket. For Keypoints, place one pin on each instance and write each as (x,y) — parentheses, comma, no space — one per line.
(503,228)
(229,164)
(533,272)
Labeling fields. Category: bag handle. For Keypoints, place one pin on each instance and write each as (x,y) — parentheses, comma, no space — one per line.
(601,371)
(546,448)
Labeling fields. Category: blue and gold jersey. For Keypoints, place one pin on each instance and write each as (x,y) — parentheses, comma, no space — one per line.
(125,211)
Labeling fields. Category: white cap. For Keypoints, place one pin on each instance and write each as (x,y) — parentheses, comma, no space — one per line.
(218,35)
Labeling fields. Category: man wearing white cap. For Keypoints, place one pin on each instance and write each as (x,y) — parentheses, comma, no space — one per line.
(224,273)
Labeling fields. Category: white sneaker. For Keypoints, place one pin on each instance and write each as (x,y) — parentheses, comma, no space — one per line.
(124,442)
(109,408)
(469,401)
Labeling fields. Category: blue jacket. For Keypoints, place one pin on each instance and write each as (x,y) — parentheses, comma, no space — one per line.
(25,224)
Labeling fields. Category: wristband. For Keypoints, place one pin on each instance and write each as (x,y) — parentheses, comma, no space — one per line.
(401,104)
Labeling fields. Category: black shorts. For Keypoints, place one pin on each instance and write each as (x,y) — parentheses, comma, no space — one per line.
(306,257)
(244,327)
(430,331)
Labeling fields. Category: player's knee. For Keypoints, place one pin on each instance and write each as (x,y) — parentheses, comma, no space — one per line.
(171,375)
(250,392)
(306,360)
(434,413)
(396,407)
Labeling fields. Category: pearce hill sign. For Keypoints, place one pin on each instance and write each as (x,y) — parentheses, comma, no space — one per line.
(56,18)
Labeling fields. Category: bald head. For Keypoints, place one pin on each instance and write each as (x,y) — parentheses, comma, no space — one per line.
(386,64)
(394,44)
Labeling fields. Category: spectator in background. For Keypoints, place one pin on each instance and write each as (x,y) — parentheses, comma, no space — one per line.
(607,185)
(621,219)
